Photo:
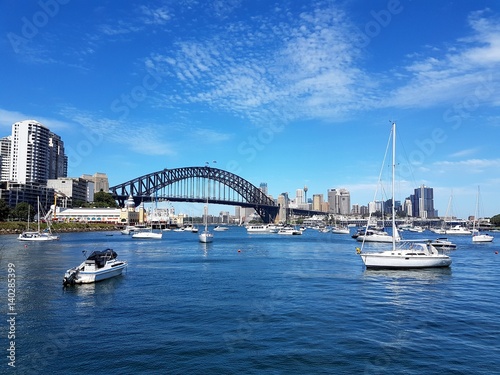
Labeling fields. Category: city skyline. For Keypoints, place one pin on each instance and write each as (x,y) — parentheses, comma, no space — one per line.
(291,93)
(29,137)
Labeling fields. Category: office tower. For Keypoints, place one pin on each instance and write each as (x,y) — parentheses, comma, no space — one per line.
(299,197)
(422,202)
(317,202)
(263,187)
(339,201)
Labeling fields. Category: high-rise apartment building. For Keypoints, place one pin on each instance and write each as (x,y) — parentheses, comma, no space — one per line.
(5,145)
(36,154)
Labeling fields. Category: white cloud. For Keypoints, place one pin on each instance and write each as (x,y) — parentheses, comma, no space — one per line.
(468,66)
(7,118)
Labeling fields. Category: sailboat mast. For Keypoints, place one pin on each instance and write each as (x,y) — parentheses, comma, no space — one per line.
(38,207)
(394,230)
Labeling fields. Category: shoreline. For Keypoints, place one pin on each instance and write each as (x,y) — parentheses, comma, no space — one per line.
(18,227)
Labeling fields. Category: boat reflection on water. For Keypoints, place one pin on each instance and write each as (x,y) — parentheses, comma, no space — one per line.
(422,274)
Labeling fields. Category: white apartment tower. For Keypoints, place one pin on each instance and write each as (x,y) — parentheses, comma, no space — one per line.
(36,154)
(5,144)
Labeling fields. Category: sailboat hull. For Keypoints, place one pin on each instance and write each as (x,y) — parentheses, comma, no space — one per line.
(482,238)
(37,236)
(206,237)
(391,260)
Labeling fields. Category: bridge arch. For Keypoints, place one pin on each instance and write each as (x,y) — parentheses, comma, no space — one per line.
(197,184)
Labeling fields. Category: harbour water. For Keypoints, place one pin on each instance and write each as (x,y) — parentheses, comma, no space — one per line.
(247,304)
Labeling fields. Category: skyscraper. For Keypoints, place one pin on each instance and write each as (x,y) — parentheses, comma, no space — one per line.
(5,144)
(36,154)
(422,202)
(339,201)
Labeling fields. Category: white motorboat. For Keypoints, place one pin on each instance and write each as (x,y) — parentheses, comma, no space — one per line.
(100,265)
(128,229)
(438,230)
(38,235)
(458,229)
(218,228)
(403,255)
(443,243)
(416,229)
(290,231)
(378,236)
(259,228)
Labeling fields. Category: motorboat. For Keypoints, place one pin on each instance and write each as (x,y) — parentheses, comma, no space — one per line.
(416,229)
(458,229)
(443,243)
(378,236)
(258,228)
(402,255)
(100,265)
(218,228)
(128,229)
(291,231)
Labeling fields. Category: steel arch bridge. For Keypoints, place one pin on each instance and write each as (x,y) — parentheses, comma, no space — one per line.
(197,184)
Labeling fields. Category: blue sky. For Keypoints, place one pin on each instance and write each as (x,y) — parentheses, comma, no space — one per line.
(291,93)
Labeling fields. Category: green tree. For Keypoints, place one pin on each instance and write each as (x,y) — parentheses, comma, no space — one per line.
(4,210)
(21,211)
(495,220)
(103,199)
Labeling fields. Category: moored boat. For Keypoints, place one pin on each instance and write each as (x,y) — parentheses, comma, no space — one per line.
(146,235)
(258,228)
(100,265)
(403,255)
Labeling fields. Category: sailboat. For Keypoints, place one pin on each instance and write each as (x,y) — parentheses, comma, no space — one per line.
(406,255)
(206,236)
(476,236)
(38,235)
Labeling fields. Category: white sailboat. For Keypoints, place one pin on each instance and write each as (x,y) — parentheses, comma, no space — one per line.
(406,255)
(477,237)
(206,236)
(38,235)
(144,233)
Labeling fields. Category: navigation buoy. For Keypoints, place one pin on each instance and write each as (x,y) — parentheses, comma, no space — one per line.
(239,251)
(496,252)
